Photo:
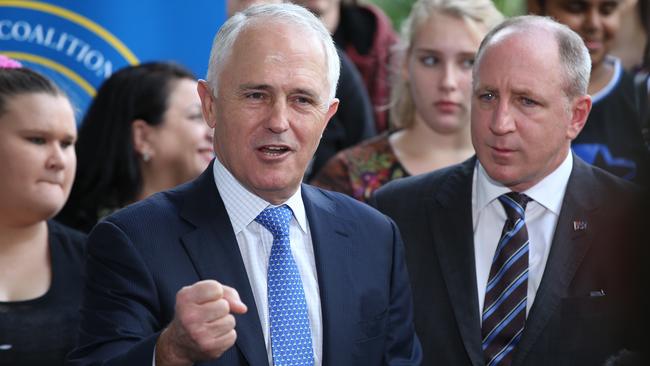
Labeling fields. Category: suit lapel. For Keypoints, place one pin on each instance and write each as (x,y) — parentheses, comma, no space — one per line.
(213,249)
(332,250)
(568,248)
(450,219)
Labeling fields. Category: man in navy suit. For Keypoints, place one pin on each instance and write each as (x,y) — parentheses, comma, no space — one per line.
(522,255)
(181,277)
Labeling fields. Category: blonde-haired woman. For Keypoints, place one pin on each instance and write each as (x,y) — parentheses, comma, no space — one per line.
(430,100)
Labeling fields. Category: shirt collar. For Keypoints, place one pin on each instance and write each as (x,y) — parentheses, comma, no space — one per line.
(243,206)
(549,192)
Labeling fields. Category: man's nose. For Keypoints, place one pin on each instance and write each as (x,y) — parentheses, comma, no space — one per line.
(502,120)
(278,120)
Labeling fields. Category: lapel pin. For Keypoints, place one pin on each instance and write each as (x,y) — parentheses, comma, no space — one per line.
(579,225)
(600,293)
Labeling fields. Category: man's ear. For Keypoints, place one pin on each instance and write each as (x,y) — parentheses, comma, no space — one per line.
(207,102)
(331,110)
(580,108)
(141,134)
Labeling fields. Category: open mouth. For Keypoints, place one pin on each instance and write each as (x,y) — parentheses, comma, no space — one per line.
(274,150)
(593,45)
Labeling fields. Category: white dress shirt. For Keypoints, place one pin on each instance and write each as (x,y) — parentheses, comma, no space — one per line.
(541,218)
(255,243)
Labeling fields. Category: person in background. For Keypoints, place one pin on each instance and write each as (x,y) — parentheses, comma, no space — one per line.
(524,254)
(246,265)
(642,76)
(612,138)
(143,133)
(366,36)
(429,102)
(630,39)
(40,260)
(643,11)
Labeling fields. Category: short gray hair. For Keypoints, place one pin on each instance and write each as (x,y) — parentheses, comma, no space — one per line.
(574,56)
(281,13)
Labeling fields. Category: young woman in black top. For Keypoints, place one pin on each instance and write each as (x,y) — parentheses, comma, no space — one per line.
(40,260)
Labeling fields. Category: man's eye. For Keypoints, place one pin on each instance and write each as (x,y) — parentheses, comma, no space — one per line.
(255,95)
(528,102)
(486,97)
(303,100)
(36,140)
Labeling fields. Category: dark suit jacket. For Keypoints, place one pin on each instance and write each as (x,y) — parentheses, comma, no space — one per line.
(139,257)
(567,324)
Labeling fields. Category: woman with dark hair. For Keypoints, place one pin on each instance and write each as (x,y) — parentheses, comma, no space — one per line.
(40,260)
(143,133)
(611,138)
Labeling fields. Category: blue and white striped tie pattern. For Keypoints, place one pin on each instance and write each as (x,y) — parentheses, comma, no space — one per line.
(290,332)
(504,309)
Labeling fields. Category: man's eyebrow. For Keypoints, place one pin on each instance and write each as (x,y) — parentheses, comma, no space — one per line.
(308,92)
(251,86)
(303,91)
(484,87)
(524,91)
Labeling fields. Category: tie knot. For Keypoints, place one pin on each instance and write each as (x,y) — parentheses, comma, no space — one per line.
(276,220)
(515,205)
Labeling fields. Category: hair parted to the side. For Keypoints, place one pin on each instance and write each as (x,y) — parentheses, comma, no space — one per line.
(108,174)
(480,13)
(21,80)
(226,37)
(574,56)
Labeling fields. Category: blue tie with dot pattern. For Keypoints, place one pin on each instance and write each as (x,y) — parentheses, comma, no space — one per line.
(290,332)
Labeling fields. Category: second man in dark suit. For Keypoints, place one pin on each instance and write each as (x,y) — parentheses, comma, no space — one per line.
(520,255)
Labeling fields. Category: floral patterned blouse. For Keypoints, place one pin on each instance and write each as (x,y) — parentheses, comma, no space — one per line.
(361,169)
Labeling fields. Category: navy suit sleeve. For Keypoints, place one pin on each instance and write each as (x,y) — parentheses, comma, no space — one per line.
(118,322)
(403,346)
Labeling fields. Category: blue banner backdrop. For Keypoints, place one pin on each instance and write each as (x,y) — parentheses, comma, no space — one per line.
(80,43)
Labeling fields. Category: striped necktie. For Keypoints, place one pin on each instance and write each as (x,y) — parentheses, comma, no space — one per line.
(504,309)
(291,342)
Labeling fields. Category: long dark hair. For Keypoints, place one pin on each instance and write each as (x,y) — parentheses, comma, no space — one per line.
(108,174)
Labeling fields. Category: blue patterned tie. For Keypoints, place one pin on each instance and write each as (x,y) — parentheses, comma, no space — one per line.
(504,309)
(290,331)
